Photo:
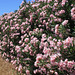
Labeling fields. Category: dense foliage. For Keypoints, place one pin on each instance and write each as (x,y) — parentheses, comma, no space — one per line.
(39,38)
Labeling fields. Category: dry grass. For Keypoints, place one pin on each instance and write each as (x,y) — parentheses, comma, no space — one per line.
(6,68)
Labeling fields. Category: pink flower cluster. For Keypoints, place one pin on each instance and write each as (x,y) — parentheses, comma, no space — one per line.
(66,65)
(73,13)
(52,55)
(38,38)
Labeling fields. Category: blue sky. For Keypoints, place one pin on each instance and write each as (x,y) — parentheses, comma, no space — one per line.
(7,6)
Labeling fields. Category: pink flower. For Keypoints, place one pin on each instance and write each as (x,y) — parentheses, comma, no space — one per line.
(36,63)
(39,57)
(56,31)
(70,64)
(56,0)
(20,68)
(26,40)
(49,38)
(17,48)
(49,1)
(35,5)
(44,21)
(63,2)
(43,69)
(20,42)
(45,50)
(22,3)
(23,44)
(27,72)
(11,21)
(43,39)
(52,16)
(68,41)
(14,62)
(53,57)
(57,26)
(22,31)
(43,35)
(61,11)
(64,46)
(35,71)
(52,43)
(41,30)
(73,10)
(7,59)
(56,73)
(59,43)
(55,4)
(46,44)
(64,22)
(66,61)
(62,65)
(60,35)
(73,17)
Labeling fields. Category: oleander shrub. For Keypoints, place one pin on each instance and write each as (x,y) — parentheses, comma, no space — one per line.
(39,38)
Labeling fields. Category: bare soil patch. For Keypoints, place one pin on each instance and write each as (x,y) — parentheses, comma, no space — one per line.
(6,68)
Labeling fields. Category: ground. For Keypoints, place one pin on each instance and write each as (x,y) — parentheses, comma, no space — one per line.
(6,68)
